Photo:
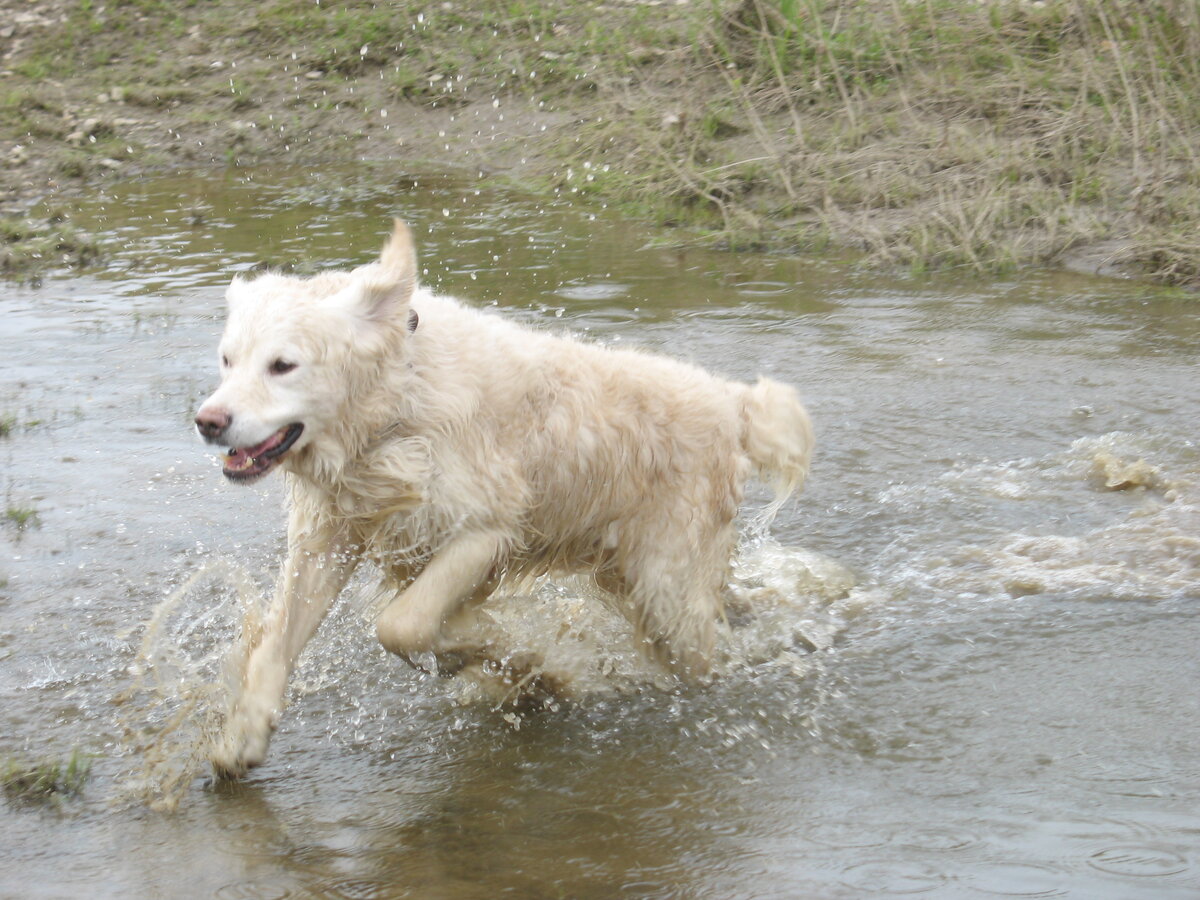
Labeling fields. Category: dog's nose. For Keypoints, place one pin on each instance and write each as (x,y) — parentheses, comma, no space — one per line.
(211,423)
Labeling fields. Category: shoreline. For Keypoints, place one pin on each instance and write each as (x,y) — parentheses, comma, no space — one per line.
(997,140)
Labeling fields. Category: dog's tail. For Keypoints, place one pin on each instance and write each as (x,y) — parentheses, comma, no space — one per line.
(777,435)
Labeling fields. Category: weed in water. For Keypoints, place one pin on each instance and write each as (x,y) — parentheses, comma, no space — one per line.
(22,517)
(27,246)
(46,779)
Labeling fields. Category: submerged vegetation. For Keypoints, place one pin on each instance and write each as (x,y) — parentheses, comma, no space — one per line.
(43,780)
(22,517)
(929,133)
(29,245)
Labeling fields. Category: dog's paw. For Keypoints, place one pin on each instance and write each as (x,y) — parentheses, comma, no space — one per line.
(519,682)
(445,663)
(242,744)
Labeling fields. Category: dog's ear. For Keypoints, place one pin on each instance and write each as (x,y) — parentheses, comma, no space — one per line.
(387,286)
(236,291)
(398,254)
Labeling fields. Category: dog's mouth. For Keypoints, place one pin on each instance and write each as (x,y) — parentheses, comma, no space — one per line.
(248,463)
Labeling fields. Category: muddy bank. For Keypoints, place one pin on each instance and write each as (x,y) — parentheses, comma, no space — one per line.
(987,137)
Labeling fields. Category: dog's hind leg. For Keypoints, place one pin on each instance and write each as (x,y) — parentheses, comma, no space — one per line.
(463,570)
(672,583)
(319,563)
(677,621)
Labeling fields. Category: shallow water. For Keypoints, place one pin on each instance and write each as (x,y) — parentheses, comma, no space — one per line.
(1006,704)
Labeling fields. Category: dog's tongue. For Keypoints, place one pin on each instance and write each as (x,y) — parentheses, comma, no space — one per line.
(244,459)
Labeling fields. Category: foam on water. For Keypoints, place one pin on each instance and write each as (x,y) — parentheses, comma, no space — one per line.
(1143,544)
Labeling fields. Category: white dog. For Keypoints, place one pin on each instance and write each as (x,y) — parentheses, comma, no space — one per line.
(455,450)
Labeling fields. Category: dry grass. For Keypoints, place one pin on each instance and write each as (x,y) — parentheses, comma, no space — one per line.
(931,133)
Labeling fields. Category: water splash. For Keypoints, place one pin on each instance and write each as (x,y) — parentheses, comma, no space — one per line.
(191,658)
(562,642)
(565,641)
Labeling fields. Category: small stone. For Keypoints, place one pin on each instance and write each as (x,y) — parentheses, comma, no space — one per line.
(314,75)
(108,163)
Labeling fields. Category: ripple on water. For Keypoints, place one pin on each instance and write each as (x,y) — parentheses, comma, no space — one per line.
(253,890)
(940,839)
(357,889)
(845,836)
(648,890)
(1020,880)
(1139,861)
(1152,781)
(1102,832)
(763,288)
(894,876)
(600,290)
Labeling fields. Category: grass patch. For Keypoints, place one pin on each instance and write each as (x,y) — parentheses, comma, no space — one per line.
(151,96)
(44,780)
(29,246)
(22,518)
(442,54)
(932,135)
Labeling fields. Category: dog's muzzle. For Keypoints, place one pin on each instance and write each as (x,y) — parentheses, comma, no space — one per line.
(248,463)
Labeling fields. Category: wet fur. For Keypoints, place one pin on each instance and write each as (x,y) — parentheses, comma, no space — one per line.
(468,450)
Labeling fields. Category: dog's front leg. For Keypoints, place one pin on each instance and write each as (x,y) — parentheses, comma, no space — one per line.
(319,563)
(411,625)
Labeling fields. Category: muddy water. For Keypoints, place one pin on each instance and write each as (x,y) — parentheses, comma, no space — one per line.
(1006,702)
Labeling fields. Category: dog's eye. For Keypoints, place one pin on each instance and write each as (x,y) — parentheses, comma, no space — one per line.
(225,361)
(282,367)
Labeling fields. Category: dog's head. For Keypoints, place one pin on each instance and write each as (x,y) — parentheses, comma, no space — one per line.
(296,350)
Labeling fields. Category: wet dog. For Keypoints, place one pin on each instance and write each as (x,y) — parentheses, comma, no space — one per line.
(456,450)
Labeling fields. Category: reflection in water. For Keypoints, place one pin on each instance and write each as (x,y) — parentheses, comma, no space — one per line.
(967,666)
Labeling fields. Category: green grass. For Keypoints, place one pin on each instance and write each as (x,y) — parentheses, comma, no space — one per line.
(22,517)
(45,779)
(28,245)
